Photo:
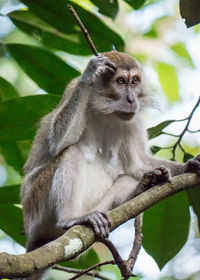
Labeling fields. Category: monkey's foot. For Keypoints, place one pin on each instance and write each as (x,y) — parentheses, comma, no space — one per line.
(193,165)
(157,176)
(97,220)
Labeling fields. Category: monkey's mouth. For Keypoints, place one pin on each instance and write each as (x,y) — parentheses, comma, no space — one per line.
(125,116)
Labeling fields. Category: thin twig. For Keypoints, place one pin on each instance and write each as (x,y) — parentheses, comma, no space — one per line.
(73,270)
(96,266)
(185,129)
(84,30)
(182,120)
(137,244)
(124,269)
(193,131)
(169,134)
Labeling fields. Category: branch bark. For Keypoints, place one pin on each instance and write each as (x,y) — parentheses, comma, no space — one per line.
(79,238)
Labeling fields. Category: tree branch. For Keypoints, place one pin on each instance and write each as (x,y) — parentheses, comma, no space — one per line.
(86,271)
(137,244)
(79,272)
(79,238)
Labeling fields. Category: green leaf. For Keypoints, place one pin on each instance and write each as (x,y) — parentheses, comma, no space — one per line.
(49,71)
(155,149)
(11,222)
(12,155)
(107,8)
(168,80)
(19,117)
(190,11)
(55,13)
(90,259)
(136,4)
(194,195)
(165,228)
(10,194)
(157,130)
(74,43)
(180,50)
(7,90)
(187,156)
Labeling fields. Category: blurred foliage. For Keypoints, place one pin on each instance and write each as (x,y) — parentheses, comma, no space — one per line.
(38,55)
(169,228)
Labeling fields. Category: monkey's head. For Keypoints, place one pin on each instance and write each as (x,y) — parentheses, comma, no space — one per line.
(120,91)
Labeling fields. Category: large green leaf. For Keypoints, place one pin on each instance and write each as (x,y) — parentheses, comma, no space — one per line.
(90,259)
(107,8)
(165,228)
(49,71)
(190,11)
(194,199)
(28,22)
(56,14)
(168,80)
(19,117)
(136,4)
(9,194)
(11,222)
(7,90)
(180,50)
(12,155)
(157,130)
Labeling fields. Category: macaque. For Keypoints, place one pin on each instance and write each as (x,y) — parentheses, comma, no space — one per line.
(91,152)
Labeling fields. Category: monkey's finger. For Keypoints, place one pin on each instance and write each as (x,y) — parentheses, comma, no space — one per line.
(108,68)
(101,225)
(107,219)
(94,225)
(105,224)
(158,172)
(111,65)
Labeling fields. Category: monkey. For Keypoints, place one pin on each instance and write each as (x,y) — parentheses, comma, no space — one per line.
(91,153)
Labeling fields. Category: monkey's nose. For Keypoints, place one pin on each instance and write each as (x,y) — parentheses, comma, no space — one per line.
(130,99)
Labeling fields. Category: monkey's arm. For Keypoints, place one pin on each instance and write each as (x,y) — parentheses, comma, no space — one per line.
(68,121)
(176,168)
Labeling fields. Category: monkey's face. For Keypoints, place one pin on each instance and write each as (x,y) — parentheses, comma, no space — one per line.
(118,93)
(125,88)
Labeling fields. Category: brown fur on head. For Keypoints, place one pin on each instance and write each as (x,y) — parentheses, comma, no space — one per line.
(122,60)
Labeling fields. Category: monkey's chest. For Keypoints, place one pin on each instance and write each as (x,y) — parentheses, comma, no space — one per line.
(99,173)
(104,161)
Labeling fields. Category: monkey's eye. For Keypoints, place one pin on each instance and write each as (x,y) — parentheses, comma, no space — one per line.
(135,80)
(121,81)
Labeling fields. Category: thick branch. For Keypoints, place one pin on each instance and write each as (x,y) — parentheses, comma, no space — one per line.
(79,238)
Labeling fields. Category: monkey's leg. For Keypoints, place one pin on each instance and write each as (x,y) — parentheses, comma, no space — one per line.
(121,191)
(127,187)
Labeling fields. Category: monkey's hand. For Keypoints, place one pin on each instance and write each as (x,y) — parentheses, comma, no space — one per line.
(193,165)
(97,220)
(98,67)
